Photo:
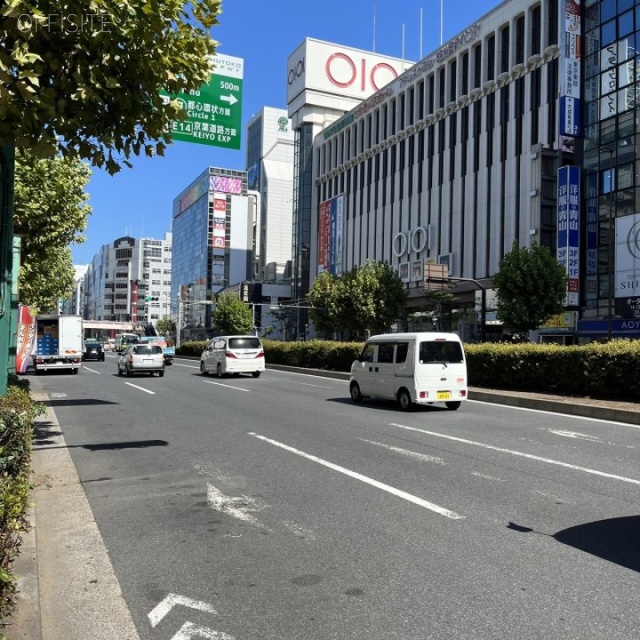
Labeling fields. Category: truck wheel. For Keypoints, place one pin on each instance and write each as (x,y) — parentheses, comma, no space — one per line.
(404,400)
(452,406)
(161,374)
(354,390)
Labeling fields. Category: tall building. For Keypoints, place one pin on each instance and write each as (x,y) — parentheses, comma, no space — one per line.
(130,281)
(270,175)
(521,128)
(214,226)
(73,305)
(324,81)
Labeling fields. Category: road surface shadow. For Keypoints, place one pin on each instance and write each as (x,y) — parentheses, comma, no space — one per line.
(388,405)
(615,540)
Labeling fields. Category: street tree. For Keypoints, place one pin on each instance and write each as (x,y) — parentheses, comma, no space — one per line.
(50,213)
(88,83)
(232,316)
(531,286)
(377,297)
(331,309)
(166,327)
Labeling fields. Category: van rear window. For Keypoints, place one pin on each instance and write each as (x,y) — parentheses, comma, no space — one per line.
(244,343)
(440,352)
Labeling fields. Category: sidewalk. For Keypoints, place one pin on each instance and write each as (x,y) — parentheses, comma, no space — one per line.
(67,587)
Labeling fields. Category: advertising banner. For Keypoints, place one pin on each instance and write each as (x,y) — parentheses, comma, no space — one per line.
(330,223)
(570,55)
(627,257)
(26,338)
(568,254)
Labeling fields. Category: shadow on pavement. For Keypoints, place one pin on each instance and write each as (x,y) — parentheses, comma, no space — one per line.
(67,402)
(615,540)
(109,446)
(387,405)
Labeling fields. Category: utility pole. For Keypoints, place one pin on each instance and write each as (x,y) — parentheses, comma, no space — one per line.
(7,172)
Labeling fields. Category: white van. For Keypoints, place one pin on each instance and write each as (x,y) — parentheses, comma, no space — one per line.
(412,368)
(233,354)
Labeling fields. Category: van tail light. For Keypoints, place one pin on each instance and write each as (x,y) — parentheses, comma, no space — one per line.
(130,359)
(463,394)
(230,354)
(260,354)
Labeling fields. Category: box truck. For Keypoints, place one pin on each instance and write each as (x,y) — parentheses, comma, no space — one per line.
(59,343)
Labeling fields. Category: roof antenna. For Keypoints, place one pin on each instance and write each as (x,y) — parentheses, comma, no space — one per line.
(420,58)
(374,26)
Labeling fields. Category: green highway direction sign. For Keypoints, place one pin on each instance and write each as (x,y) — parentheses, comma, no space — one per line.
(215,110)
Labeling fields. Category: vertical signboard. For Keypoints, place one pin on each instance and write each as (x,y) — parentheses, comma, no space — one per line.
(570,55)
(568,254)
(591,253)
(218,234)
(214,112)
(330,223)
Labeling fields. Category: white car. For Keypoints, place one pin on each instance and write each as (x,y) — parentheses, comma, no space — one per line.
(233,354)
(141,358)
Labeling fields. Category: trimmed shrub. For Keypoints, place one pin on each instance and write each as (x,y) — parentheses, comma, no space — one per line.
(17,413)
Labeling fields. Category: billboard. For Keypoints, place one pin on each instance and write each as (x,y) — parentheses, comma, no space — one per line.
(627,256)
(330,229)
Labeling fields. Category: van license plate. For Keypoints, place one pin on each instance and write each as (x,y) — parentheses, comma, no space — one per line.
(444,395)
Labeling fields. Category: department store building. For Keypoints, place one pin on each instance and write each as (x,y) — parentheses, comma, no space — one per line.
(521,128)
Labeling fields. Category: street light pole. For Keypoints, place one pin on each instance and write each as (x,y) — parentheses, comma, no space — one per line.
(610,244)
(179,326)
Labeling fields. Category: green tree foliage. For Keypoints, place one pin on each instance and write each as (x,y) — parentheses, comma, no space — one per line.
(50,213)
(84,78)
(366,300)
(531,287)
(166,327)
(232,316)
(329,299)
(377,297)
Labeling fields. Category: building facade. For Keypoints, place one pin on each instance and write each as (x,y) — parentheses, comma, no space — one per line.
(522,128)
(130,281)
(214,234)
(270,177)
(324,81)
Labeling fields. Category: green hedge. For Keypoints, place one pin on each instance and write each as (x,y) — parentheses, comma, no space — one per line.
(609,371)
(17,413)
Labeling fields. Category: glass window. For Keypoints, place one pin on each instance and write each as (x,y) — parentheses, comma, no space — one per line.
(608,33)
(441,351)
(367,353)
(385,353)
(625,24)
(607,9)
(401,352)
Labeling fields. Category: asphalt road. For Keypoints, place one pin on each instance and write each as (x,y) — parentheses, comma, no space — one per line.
(275,509)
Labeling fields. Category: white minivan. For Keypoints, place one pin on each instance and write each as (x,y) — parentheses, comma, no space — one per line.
(412,368)
(233,354)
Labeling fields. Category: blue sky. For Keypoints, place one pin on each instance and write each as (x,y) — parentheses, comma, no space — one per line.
(264,33)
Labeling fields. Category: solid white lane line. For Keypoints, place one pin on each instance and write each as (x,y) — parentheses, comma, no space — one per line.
(406,452)
(84,366)
(521,454)
(357,476)
(228,386)
(135,386)
(189,366)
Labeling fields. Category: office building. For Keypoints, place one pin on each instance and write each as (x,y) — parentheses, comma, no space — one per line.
(270,176)
(521,128)
(130,281)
